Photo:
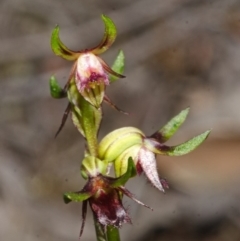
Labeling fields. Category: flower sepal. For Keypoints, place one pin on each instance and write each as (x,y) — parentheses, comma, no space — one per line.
(109,36)
(187,146)
(60,49)
(76,196)
(168,130)
(118,66)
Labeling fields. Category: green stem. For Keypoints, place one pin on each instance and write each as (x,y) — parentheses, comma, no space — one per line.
(113,234)
(91,119)
(101,236)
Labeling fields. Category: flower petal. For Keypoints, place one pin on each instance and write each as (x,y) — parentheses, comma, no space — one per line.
(130,195)
(94,95)
(64,119)
(109,70)
(187,146)
(108,209)
(107,100)
(84,214)
(60,49)
(109,37)
(171,127)
(76,196)
(148,163)
(118,66)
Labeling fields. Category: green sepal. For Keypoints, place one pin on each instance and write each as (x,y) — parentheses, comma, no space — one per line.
(118,66)
(60,49)
(109,37)
(131,172)
(94,95)
(76,196)
(187,146)
(56,91)
(167,131)
(92,166)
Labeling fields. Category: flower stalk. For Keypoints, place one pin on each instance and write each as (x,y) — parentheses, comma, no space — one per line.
(127,149)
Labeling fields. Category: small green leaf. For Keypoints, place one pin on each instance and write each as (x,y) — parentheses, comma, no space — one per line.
(76,196)
(118,66)
(109,37)
(56,91)
(188,146)
(131,172)
(166,132)
(59,48)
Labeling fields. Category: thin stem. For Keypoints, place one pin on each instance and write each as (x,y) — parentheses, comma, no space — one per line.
(113,234)
(90,125)
(101,235)
(91,120)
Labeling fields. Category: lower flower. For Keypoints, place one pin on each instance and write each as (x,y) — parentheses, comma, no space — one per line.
(106,203)
(104,194)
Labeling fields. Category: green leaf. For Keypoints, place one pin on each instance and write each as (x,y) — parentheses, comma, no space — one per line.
(131,172)
(188,146)
(59,48)
(118,66)
(56,91)
(167,131)
(109,37)
(76,196)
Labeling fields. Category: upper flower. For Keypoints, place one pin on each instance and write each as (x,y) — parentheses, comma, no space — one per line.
(89,72)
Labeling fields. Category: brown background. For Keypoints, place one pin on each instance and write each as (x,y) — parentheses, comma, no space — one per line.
(179,53)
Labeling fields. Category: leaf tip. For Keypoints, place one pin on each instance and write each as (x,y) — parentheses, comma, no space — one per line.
(66,199)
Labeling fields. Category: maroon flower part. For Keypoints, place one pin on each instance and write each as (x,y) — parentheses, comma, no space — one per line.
(106,202)
(89,72)
(104,195)
(145,161)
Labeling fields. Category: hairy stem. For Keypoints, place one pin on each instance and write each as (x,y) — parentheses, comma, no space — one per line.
(100,233)
(91,119)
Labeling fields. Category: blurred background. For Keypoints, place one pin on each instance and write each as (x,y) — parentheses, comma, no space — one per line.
(179,53)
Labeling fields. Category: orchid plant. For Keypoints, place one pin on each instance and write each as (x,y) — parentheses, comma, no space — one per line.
(127,149)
